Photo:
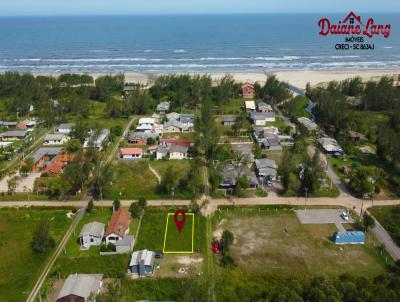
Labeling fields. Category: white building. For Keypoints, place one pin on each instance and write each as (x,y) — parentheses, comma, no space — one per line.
(261,118)
(55,139)
(130,153)
(91,234)
(65,128)
(145,124)
(178,152)
(96,139)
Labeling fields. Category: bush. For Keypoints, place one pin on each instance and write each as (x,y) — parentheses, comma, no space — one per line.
(109,248)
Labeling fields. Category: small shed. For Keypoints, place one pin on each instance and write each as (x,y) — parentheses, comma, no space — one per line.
(125,245)
(349,237)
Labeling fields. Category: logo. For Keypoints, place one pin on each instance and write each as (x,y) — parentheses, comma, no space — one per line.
(352,25)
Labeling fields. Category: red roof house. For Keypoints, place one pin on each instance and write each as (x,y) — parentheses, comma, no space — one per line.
(248,91)
(118,226)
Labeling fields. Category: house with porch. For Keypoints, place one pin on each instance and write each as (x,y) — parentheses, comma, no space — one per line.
(130,153)
(118,226)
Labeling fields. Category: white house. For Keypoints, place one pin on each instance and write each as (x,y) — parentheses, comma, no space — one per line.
(65,128)
(96,139)
(249,105)
(130,153)
(161,152)
(145,124)
(118,226)
(91,234)
(261,118)
(55,139)
(178,152)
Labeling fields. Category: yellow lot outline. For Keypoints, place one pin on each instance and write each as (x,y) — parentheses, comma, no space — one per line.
(165,236)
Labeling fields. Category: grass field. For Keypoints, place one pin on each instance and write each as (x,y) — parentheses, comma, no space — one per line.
(135,180)
(389,218)
(176,242)
(262,245)
(19,267)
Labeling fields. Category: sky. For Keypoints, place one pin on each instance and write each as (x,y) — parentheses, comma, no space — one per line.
(135,7)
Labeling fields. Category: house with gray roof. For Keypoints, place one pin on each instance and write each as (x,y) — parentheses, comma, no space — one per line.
(261,118)
(44,155)
(172,116)
(266,168)
(232,172)
(178,152)
(187,119)
(229,121)
(271,142)
(65,128)
(125,245)
(80,287)
(96,139)
(140,138)
(91,234)
(163,107)
(307,123)
(142,263)
(56,139)
(264,107)
(174,126)
(13,135)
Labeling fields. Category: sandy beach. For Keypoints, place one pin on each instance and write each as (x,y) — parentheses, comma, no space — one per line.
(298,78)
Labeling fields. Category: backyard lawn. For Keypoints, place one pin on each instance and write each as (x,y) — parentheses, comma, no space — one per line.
(179,241)
(19,267)
(261,244)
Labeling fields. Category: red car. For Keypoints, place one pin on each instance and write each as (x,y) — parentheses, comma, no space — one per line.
(215,248)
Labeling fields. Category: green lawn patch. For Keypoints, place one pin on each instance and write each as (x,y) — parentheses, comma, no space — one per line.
(19,267)
(176,242)
(389,218)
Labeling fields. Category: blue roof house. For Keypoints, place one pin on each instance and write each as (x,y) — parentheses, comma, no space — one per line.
(349,237)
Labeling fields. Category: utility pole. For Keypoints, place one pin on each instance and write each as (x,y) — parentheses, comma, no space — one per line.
(305,200)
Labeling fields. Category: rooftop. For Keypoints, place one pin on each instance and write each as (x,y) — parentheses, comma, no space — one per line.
(119,223)
(82,285)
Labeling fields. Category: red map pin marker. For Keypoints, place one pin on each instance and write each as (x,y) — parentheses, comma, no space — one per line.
(180,221)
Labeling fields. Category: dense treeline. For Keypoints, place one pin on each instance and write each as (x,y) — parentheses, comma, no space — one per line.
(54,97)
(348,105)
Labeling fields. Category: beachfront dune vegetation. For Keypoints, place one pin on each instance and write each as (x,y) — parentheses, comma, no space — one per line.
(363,116)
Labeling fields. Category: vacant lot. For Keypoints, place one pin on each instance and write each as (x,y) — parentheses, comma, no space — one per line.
(19,267)
(179,242)
(261,243)
(134,180)
(389,218)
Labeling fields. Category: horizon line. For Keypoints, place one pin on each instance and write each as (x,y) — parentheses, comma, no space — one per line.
(192,14)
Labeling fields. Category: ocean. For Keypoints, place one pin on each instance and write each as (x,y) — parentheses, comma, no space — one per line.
(196,43)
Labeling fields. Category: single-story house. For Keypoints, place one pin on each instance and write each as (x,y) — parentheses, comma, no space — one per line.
(247,91)
(187,119)
(91,234)
(172,116)
(174,126)
(96,140)
(162,152)
(55,139)
(142,263)
(151,150)
(163,107)
(80,288)
(330,145)
(246,151)
(140,138)
(261,118)
(271,142)
(173,141)
(307,123)
(118,226)
(65,128)
(9,125)
(249,106)
(130,153)
(349,237)
(229,121)
(129,89)
(30,123)
(13,135)
(264,107)
(125,245)
(230,176)
(178,152)
(266,168)
(44,155)
(145,124)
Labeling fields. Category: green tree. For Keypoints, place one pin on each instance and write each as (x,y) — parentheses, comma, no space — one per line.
(227,239)
(169,182)
(368,221)
(42,241)
(90,206)
(116,204)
